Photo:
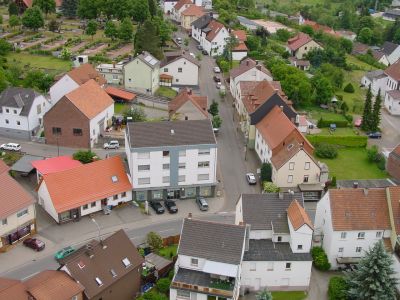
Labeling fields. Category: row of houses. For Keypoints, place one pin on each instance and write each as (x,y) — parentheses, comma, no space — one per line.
(388,54)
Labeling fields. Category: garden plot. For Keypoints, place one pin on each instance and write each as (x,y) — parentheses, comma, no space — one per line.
(4,35)
(30,44)
(95,49)
(54,45)
(17,38)
(126,49)
(77,47)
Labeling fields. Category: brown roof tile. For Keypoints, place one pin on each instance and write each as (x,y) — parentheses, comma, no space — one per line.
(299,40)
(396,150)
(215,27)
(84,73)
(262,92)
(181,3)
(246,65)
(241,47)
(90,99)
(122,94)
(11,289)
(200,102)
(394,193)
(395,94)
(394,71)
(298,216)
(286,153)
(193,10)
(240,35)
(359,209)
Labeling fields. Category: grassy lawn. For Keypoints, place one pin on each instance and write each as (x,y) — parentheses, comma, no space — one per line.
(120,107)
(352,163)
(355,101)
(166,92)
(167,251)
(316,113)
(288,295)
(10,158)
(339,131)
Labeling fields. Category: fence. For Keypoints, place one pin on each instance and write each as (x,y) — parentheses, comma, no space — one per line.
(171,240)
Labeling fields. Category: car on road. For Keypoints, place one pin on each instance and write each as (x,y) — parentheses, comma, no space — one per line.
(204,51)
(171,206)
(202,203)
(357,122)
(217,70)
(199,47)
(11,147)
(217,79)
(158,208)
(64,252)
(179,40)
(111,145)
(34,244)
(374,135)
(251,178)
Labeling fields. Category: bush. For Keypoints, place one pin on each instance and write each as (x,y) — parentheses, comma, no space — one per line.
(163,285)
(324,123)
(266,172)
(356,141)
(320,259)
(382,163)
(349,88)
(337,288)
(154,240)
(84,157)
(269,187)
(326,151)
(372,154)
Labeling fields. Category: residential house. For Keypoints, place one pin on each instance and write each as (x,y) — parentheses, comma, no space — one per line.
(12,289)
(211,34)
(248,70)
(191,14)
(392,51)
(391,15)
(78,119)
(359,49)
(393,163)
(377,79)
(297,18)
(280,143)
(92,187)
(179,7)
(142,73)
(108,269)
(280,234)
(74,79)
(206,4)
(17,210)
(187,106)
(301,64)
(380,57)
(209,261)
(175,160)
(21,112)
(168,5)
(350,221)
(113,73)
(392,97)
(240,51)
(301,44)
(181,68)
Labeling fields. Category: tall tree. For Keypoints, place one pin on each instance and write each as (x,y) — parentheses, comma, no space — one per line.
(33,18)
(91,28)
(366,119)
(14,21)
(147,39)
(110,30)
(69,8)
(46,6)
(164,29)
(88,9)
(323,90)
(126,30)
(374,278)
(12,9)
(365,35)
(140,11)
(115,9)
(3,81)
(39,80)
(152,7)
(231,43)
(376,112)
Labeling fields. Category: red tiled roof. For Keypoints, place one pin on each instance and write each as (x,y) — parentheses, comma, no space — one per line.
(28,3)
(184,96)
(397,150)
(166,76)
(84,73)
(193,10)
(55,164)
(394,71)
(280,158)
(87,183)
(394,193)
(318,27)
(298,216)
(299,40)
(181,3)
(359,48)
(240,35)
(114,92)
(246,65)
(215,27)
(240,47)
(12,289)
(261,92)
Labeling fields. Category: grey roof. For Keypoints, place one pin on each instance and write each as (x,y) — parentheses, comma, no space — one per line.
(262,210)
(170,133)
(202,22)
(389,47)
(158,261)
(148,59)
(19,98)
(266,250)
(24,165)
(366,183)
(217,242)
(393,12)
(243,20)
(176,55)
(375,74)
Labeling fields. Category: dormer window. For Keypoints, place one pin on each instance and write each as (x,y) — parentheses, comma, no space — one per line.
(7,110)
(81,264)
(194,262)
(113,273)
(114,178)
(98,281)
(126,262)
(289,147)
(15,111)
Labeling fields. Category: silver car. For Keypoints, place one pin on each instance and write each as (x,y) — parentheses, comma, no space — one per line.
(251,178)
(202,203)
(111,145)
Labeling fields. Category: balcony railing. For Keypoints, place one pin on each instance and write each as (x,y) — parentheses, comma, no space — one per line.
(218,290)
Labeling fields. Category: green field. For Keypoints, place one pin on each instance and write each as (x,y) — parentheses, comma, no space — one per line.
(316,113)
(352,163)
(339,131)
(289,295)
(166,92)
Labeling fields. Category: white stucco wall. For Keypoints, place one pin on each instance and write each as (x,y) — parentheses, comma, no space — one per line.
(263,151)
(239,55)
(394,56)
(392,105)
(13,222)
(95,126)
(302,236)
(188,76)
(45,201)
(62,87)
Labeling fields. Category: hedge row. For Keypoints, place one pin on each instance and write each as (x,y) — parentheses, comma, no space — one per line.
(327,123)
(357,141)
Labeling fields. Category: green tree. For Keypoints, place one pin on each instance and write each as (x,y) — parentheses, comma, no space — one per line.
(118,9)
(14,21)
(266,172)
(110,30)
(367,114)
(264,295)
(216,122)
(152,295)
(396,37)
(53,25)
(323,90)
(140,11)
(136,113)
(376,112)
(91,28)
(88,9)
(164,29)
(349,88)
(84,156)
(283,35)
(152,7)
(13,74)
(269,187)
(307,29)
(213,110)
(335,74)
(3,81)
(66,54)
(365,35)
(249,4)
(39,80)
(12,9)
(147,39)
(163,285)
(126,30)
(33,18)
(5,47)
(337,288)
(154,240)
(374,278)
(231,43)
(46,6)
(69,8)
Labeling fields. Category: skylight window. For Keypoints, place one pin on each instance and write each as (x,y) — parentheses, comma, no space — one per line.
(98,281)
(126,262)
(114,178)
(113,273)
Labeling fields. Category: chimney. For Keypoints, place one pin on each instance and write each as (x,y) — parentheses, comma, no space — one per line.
(190,91)
(172,132)
(258,67)
(190,216)
(365,191)
(280,195)
(247,62)
(355,185)
(257,62)
(281,107)
(89,250)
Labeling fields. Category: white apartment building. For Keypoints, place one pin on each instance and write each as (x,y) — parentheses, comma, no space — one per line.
(280,233)
(113,73)
(21,112)
(183,68)
(167,5)
(209,261)
(392,101)
(174,159)
(377,79)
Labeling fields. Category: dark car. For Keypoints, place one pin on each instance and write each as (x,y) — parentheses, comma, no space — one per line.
(199,47)
(171,206)
(35,244)
(204,52)
(202,203)
(158,208)
(374,135)
(217,79)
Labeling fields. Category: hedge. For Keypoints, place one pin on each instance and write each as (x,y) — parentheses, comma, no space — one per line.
(320,259)
(327,123)
(356,141)
(337,288)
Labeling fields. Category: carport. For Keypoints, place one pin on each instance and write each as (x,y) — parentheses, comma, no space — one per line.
(24,164)
(120,95)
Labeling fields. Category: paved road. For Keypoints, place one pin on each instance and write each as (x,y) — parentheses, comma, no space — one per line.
(391,132)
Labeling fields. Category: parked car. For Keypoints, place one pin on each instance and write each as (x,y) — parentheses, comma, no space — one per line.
(35,244)
(218,86)
(217,79)
(179,40)
(64,252)
(357,122)
(111,145)
(158,208)
(11,147)
(171,206)
(192,55)
(217,70)
(204,52)
(202,203)
(199,47)
(251,178)
(374,135)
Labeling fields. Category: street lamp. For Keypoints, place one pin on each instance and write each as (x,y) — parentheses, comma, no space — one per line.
(98,227)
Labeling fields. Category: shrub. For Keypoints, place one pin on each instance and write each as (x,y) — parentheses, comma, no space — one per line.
(326,151)
(372,154)
(337,288)
(269,187)
(349,88)
(327,123)
(382,163)
(320,259)
(84,157)
(347,141)
(266,172)
(154,240)
(333,183)
(163,285)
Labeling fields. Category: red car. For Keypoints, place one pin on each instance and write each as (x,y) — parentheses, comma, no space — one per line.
(35,244)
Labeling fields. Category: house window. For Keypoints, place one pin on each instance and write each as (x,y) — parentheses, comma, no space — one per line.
(4,221)
(182,153)
(165,166)
(126,262)
(113,273)
(85,207)
(291,166)
(341,249)
(38,109)
(203,164)
(115,76)
(253,266)
(165,179)
(7,110)
(15,111)
(299,247)
(181,178)
(18,123)
(270,266)
(93,204)
(194,262)
(182,166)
(77,131)
(165,153)
(56,130)
(358,249)
(307,166)
(123,195)
(145,180)
(22,213)
(279,239)
(7,122)
(343,235)
(290,179)
(305,178)
(379,234)
(115,197)
(288,266)
(179,70)
(143,155)
(201,177)
(142,168)
(165,69)
(183,294)
(204,151)
(176,79)
(361,235)
(98,281)
(157,195)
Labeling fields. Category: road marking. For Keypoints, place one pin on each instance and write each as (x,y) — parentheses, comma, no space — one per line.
(27,277)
